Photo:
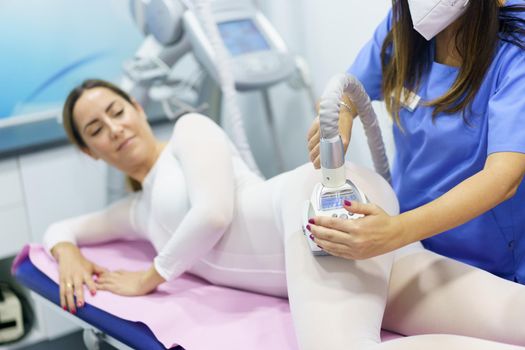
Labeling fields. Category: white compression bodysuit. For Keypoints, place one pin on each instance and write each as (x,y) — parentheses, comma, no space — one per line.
(203,210)
(206,213)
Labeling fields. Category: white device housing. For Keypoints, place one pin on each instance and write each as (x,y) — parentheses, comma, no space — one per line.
(334,185)
(258,54)
(328,201)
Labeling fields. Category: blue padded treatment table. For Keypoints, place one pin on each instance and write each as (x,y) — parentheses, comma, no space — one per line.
(134,334)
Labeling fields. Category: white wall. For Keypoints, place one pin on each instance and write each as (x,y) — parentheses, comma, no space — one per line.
(329,35)
(13,215)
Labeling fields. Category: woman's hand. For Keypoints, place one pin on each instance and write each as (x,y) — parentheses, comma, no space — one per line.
(346,118)
(74,271)
(130,283)
(374,234)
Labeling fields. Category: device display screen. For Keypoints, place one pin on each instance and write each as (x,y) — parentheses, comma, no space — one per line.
(242,36)
(335,200)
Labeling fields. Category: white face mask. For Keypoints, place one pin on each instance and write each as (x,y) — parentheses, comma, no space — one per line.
(432,16)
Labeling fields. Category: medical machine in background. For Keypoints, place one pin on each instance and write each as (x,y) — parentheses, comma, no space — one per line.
(328,196)
(258,56)
(237,50)
(230,39)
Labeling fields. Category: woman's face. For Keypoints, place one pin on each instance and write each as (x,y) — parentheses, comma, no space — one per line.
(112,128)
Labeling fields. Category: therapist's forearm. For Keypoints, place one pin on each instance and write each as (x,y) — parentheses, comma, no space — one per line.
(469,199)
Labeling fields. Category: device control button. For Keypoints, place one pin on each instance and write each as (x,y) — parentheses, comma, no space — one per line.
(343,216)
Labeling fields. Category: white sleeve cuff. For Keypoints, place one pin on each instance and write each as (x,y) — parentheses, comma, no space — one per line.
(57,233)
(166,269)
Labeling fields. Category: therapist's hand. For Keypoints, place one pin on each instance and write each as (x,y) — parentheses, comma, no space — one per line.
(374,234)
(346,118)
(130,283)
(75,271)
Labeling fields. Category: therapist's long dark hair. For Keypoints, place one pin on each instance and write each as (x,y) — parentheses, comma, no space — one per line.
(406,55)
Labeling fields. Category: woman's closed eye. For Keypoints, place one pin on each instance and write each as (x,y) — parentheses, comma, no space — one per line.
(95,128)
(96,131)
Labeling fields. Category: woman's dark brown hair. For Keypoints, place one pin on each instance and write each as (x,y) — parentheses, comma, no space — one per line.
(406,55)
(68,120)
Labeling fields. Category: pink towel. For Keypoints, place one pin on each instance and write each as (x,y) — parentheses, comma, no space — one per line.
(188,311)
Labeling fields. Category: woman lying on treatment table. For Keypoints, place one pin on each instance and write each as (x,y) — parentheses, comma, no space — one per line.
(207,214)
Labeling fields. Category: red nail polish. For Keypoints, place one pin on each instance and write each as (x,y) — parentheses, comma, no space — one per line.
(320,246)
(348,203)
(73,311)
(312,237)
(308,227)
(312,221)
(64,307)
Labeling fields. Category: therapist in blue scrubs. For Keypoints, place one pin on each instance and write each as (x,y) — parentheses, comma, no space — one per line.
(460,150)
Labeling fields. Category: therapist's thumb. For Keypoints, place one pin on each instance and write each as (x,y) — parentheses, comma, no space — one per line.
(361,208)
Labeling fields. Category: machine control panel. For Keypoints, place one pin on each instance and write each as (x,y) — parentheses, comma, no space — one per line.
(259,57)
(326,201)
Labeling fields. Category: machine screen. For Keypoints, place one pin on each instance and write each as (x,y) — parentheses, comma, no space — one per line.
(335,200)
(242,36)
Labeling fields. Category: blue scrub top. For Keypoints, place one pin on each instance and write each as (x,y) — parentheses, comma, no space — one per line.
(433,157)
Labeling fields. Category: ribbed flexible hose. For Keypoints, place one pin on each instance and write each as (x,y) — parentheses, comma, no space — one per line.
(227,82)
(329,117)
